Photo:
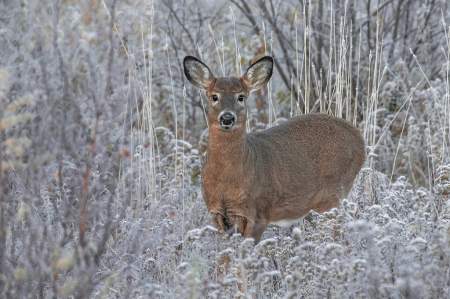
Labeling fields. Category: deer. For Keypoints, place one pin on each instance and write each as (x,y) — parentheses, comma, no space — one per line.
(274,177)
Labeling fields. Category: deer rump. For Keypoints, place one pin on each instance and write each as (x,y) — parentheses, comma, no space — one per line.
(307,163)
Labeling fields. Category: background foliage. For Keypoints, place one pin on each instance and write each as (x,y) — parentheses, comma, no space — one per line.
(101,140)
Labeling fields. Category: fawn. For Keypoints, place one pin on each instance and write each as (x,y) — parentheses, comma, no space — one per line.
(273,177)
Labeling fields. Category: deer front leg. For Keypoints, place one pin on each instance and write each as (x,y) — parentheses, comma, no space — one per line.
(255,230)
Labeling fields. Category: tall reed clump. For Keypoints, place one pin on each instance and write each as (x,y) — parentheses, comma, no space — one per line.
(101,145)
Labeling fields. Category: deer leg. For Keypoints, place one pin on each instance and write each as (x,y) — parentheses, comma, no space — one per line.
(224,266)
(255,231)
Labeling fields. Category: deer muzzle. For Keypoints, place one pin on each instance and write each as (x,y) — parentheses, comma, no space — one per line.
(227,120)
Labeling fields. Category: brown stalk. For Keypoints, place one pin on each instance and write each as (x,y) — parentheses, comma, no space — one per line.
(394,34)
(94,135)
(2,212)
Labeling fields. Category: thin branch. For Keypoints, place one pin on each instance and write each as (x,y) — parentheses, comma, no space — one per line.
(245,9)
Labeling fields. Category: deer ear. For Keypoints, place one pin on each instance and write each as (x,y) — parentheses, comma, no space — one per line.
(259,73)
(197,72)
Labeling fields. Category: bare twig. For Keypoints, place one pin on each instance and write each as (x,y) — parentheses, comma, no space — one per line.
(245,9)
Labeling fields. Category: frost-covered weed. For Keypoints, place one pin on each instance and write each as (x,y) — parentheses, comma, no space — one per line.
(83,126)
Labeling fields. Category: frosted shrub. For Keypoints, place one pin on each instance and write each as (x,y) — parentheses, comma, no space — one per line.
(101,147)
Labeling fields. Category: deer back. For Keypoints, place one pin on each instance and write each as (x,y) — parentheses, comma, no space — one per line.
(314,159)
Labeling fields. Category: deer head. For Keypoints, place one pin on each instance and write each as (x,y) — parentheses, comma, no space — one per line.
(227,96)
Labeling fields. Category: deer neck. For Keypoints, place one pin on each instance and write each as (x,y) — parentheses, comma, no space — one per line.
(227,149)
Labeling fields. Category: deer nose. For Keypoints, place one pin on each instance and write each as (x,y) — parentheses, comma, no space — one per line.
(227,119)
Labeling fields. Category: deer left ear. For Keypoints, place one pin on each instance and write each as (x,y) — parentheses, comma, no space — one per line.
(259,73)
(197,72)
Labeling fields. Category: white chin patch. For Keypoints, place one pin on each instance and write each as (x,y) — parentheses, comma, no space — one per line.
(228,129)
(286,223)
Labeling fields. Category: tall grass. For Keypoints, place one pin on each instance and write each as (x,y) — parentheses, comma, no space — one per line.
(147,233)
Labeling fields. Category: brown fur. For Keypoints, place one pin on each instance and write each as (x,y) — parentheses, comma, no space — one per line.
(250,180)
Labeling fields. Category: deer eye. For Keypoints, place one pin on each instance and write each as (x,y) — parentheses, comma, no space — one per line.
(241,98)
(215,98)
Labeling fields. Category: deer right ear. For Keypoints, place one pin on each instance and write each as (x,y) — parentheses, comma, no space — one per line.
(259,73)
(197,72)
